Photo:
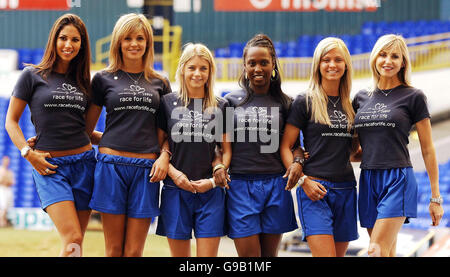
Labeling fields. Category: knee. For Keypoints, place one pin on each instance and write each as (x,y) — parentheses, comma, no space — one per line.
(72,245)
(374,250)
(114,251)
(133,250)
(132,253)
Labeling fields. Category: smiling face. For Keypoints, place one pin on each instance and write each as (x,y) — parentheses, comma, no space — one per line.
(389,62)
(133,46)
(332,65)
(196,73)
(258,67)
(68,44)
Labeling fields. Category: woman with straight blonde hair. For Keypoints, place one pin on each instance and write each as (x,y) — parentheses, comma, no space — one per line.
(384,117)
(130,149)
(327,193)
(193,195)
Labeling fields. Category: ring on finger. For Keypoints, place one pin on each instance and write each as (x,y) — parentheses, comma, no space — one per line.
(47,170)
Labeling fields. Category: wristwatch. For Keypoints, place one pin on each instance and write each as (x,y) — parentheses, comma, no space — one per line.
(299,160)
(24,151)
(437,200)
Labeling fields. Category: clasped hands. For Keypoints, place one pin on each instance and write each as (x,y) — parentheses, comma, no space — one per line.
(220,176)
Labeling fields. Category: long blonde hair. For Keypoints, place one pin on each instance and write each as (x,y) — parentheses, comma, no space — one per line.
(388,43)
(190,51)
(126,25)
(316,93)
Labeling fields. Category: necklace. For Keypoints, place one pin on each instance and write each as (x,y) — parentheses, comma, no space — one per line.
(135,81)
(334,103)
(386,92)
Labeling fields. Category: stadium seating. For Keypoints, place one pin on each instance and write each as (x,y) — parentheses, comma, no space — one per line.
(423,220)
(358,43)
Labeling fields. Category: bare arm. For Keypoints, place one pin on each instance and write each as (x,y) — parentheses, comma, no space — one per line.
(356,153)
(161,165)
(429,157)
(92,116)
(222,156)
(36,159)
(293,170)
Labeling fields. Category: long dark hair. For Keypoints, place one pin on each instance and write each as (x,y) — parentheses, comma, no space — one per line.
(79,67)
(262,40)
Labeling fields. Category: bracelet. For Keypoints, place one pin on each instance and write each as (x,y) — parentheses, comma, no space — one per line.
(168,152)
(179,176)
(217,167)
(212,182)
(302,180)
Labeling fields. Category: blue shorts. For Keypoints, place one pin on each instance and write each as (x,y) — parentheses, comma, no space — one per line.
(258,204)
(183,211)
(73,180)
(122,186)
(335,214)
(386,193)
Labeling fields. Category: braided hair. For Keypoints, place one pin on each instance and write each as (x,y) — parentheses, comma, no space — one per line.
(262,40)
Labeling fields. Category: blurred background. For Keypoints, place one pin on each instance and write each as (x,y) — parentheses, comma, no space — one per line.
(296,26)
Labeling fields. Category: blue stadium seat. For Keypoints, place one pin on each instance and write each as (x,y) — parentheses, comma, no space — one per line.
(222,53)
(304,46)
(236,49)
(158,66)
(25,56)
(291,49)
(280,49)
(36,55)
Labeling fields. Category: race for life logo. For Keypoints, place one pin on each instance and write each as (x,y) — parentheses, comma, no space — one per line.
(67,92)
(376,116)
(135,94)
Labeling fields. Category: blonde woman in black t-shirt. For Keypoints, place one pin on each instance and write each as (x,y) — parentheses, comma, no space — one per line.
(384,117)
(57,90)
(327,193)
(193,195)
(130,161)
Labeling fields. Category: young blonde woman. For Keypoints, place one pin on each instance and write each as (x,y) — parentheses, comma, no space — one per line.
(384,117)
(327,194)
(57,90)
(193,196)
(129,149)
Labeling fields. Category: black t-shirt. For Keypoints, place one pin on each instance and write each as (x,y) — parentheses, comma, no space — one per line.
(131,110)
(383,123)
(57,107)
(257,127)
(193,133)
(329,146)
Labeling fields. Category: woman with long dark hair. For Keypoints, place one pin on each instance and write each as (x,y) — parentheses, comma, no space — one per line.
(57,90)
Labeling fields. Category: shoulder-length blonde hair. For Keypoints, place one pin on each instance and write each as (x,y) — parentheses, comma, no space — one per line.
(79,67)
(190,51)
(125,25)
(389,43)
(316,93)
